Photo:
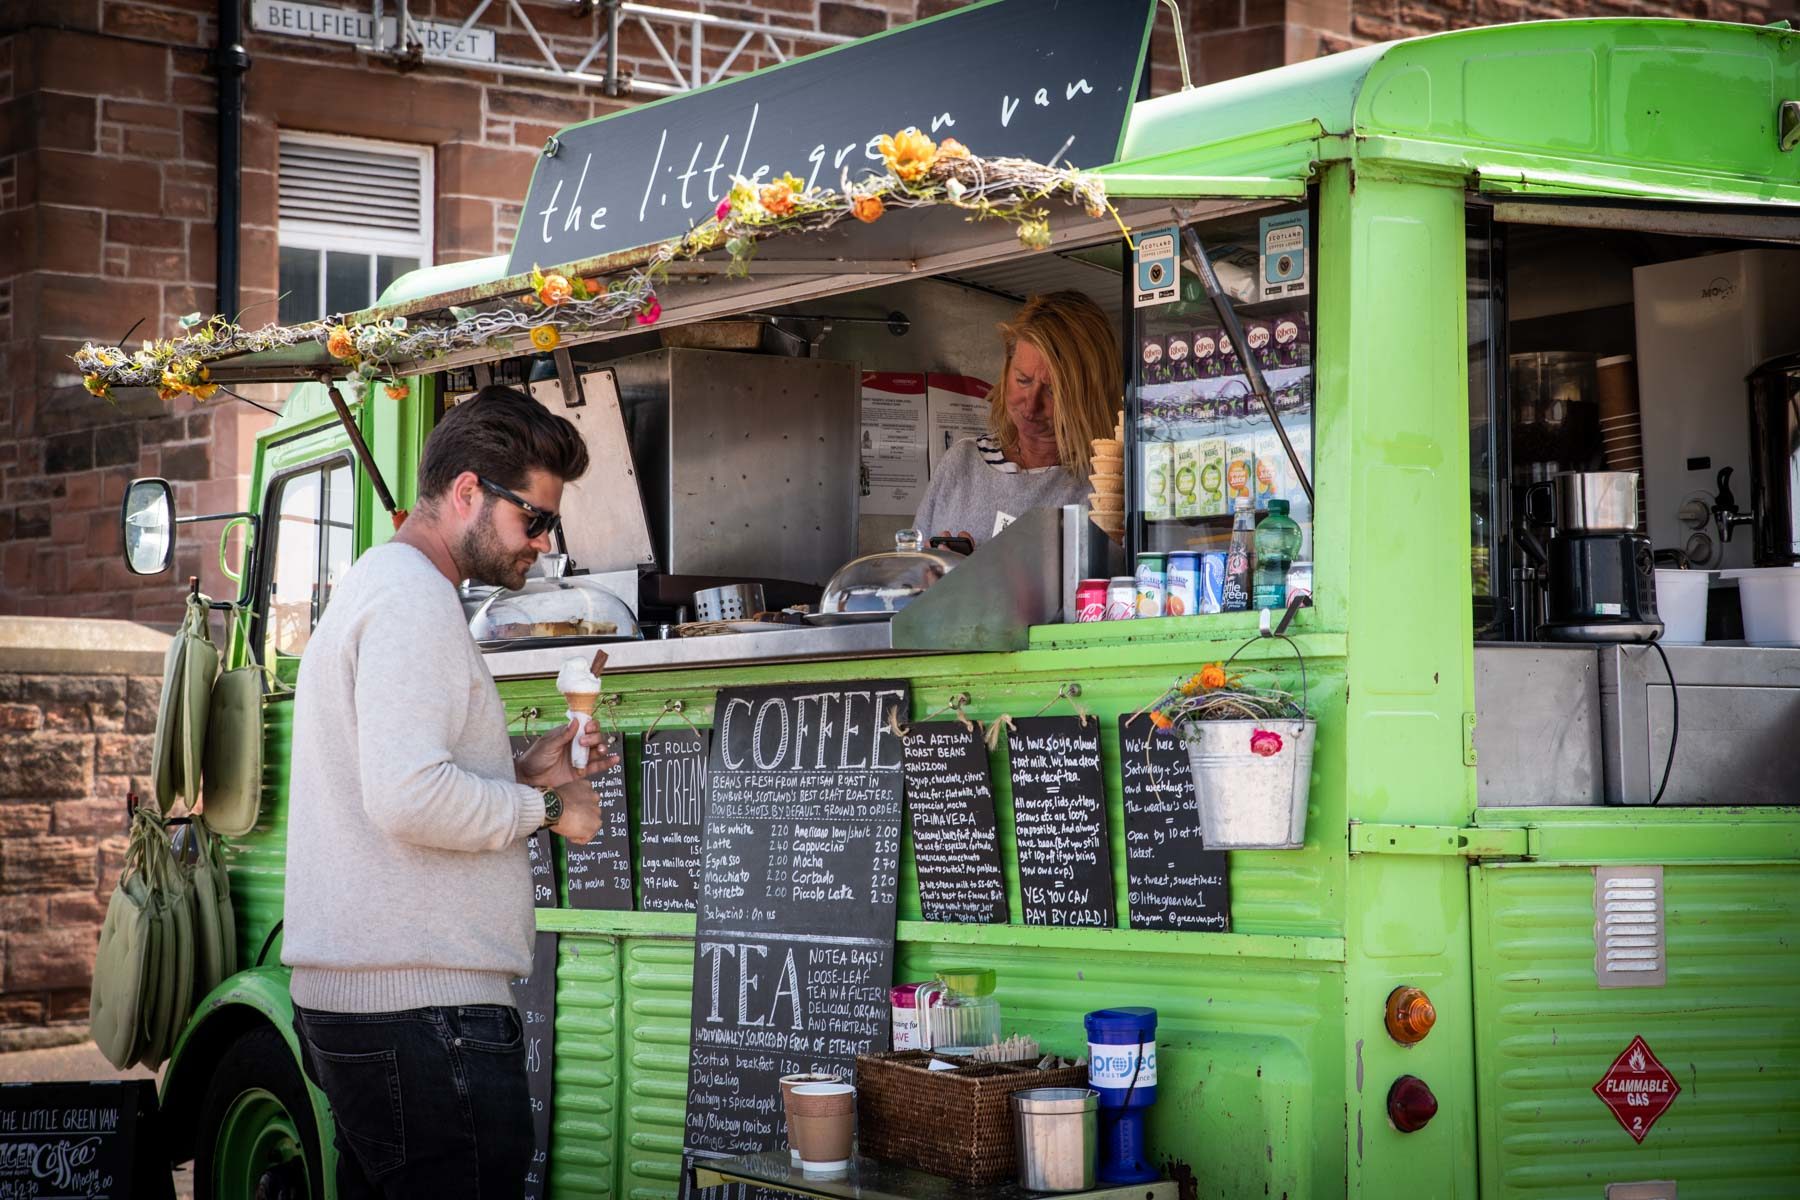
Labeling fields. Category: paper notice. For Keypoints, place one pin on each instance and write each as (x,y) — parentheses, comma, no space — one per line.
(893,442)
(958,409)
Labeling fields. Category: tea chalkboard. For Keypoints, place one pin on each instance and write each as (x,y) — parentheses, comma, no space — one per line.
(1172,880)
(950,803)
(599,873)
(794,934)
(671,799)
(536,997)
(90,1140)
(1015,77)
(1059,814)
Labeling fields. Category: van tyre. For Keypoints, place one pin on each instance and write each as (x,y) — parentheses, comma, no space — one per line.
(256,1136)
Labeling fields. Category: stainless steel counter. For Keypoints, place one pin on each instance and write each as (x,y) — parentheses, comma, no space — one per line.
(728,649)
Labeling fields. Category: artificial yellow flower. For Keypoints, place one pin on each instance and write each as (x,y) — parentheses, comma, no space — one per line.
(545,337)
(908,154)
(340,344)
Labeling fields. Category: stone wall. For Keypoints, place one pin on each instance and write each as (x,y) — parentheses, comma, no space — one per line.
(77,718)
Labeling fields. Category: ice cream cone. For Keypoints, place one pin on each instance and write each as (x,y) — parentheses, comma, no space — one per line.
(582,702)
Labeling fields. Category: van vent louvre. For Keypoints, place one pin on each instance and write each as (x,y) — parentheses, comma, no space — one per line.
(1628,927)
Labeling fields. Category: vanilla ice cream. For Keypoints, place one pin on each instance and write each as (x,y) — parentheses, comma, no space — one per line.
(580,688)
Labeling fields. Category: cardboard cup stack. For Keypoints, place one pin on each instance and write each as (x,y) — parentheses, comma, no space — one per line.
(822,1124)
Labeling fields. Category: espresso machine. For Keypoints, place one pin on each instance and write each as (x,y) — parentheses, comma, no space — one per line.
(1598,573)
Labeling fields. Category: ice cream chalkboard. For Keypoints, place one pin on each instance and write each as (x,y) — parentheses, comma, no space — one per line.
(599,873)
(535,996)
(1172,880)
(950,805)
(671,799)
(794,933)
(1059,814)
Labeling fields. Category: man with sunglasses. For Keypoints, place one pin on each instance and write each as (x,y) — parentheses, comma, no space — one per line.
(409,899)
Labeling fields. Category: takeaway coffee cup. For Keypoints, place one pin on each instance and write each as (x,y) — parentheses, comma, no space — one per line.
(822,1123)
(788,1084)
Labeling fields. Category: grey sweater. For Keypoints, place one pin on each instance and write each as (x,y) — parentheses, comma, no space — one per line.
(408,881)
(974,482)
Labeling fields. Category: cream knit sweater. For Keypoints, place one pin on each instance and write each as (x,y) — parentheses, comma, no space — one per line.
(408,882)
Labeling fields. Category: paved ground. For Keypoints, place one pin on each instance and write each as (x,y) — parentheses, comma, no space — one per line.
(81,1061)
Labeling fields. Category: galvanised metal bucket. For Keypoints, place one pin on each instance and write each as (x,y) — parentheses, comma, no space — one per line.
(1251,780)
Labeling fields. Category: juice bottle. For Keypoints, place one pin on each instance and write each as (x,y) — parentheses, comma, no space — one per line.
(1236,594)
(1277,542)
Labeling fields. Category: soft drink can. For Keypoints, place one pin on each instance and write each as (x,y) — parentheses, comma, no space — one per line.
(1152,584)
(1183,597)
(1212,582)
(1090,600)
(1121,598)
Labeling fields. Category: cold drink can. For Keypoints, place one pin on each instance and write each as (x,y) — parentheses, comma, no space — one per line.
(1121,598)
(1212,582)
(1183,597)
(1152,584)
(1090,600)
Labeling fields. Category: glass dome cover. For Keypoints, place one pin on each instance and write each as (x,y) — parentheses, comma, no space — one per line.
(887,582)
(568,608)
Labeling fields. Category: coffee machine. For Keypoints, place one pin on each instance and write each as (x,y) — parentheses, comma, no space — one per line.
(1600,572)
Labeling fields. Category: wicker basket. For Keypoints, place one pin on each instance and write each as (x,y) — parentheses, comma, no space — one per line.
(954,1123)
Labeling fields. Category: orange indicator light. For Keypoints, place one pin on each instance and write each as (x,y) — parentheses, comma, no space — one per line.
(1410,1015)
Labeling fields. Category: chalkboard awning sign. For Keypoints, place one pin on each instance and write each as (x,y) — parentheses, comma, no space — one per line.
(1014,78)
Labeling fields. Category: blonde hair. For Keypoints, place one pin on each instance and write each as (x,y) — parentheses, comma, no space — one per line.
(1087,386)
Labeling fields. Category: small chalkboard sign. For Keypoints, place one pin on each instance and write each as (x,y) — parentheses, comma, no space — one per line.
(1023,78)
(535,996)
(95,1141)
(599,873)
(543,869)
(1172,880)
(956,845)
(671,801)
(794,933)
(1059,813)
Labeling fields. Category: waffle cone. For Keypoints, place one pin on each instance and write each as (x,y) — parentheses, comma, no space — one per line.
(582,702)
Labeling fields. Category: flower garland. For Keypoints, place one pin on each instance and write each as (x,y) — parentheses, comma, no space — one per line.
(920,173)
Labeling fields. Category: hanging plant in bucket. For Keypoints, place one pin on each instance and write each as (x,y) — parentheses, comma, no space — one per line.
(1250,745)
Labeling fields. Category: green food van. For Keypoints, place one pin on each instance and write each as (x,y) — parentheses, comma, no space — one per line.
(1478,212)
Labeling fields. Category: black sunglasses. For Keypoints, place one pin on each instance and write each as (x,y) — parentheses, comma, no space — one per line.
(538,521)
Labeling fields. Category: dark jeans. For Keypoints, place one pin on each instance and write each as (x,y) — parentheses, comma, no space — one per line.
(430,1102)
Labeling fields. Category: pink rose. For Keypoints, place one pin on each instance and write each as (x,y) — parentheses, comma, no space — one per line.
(724,209)
(651,311)
(1265,742)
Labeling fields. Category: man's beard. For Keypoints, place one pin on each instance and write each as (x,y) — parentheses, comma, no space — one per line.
(485,559)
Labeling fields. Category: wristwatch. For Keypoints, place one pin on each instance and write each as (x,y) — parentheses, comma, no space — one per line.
(553,807)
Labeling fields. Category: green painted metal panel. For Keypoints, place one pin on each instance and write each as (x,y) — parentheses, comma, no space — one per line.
(1727,1026)
(257,863)
(587,1068)
(659,981)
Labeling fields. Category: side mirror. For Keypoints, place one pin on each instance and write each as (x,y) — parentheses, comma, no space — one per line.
(147,526)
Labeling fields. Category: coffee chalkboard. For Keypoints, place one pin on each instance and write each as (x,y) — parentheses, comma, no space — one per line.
(536,997)
(543,869)
(1059,814)
(794,935)
(1172,880)
(950,803)
(1011,78)
(89,1140)
(671,799)
(599,873)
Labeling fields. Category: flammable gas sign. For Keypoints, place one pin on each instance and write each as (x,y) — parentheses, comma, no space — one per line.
(1637,1088)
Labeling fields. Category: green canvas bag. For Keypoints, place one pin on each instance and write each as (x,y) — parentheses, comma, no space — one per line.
(115,1000)
(189,669)
(232,792)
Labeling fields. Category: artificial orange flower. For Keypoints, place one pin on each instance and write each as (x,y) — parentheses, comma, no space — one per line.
(556,289)
(97,386)
(1212,677)
(1161,720)
(867,209)
(951,148)
(340,344)
(396,391)
(545,337)
(778,198)
(908,154)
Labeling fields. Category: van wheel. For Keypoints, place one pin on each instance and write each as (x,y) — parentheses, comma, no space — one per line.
(256,1136)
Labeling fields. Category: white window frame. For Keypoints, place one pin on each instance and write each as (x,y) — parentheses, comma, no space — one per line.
(329,235)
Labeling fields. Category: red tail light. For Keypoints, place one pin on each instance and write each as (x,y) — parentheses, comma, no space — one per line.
(1410,1104)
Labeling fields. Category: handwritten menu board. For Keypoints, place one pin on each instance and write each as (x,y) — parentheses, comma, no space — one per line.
(794,933)
(1172,880)
(599,873)
(1059,809)
(672,797)
(956,845)
(543,869)
(536,997)
(92,1140)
